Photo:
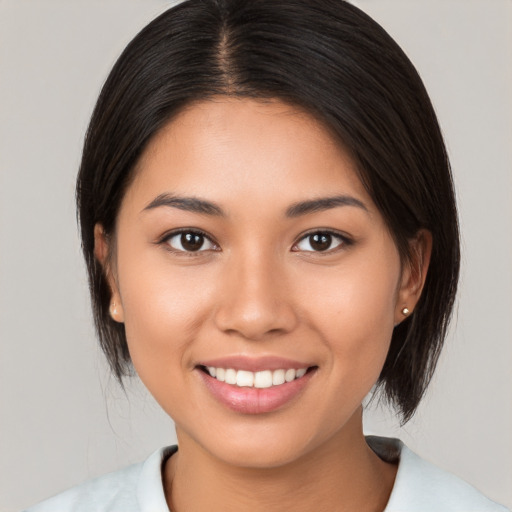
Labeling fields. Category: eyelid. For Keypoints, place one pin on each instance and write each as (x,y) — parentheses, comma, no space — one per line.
(346,241)
(163,240)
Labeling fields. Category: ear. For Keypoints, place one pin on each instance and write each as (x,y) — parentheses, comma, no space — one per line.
(414,273)
(102,252)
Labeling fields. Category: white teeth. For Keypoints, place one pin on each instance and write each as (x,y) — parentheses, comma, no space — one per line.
(230,376)
(244,378)
(289,375)
(301,372)
(221,374)
(262,379)
(278,377)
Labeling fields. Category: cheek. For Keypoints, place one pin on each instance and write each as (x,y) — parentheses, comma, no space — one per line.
(354,310)
(163,309)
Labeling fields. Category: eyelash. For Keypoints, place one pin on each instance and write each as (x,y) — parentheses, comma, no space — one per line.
(345,241)
(168,236)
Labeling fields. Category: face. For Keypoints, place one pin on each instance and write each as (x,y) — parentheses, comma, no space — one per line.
(257,281)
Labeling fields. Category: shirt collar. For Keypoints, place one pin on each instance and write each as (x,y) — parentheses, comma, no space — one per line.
(150,487)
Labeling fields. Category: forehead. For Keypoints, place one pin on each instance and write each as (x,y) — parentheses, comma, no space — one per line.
(265,151)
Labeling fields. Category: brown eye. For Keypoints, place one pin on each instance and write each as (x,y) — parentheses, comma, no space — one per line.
(190,241)
(320,242)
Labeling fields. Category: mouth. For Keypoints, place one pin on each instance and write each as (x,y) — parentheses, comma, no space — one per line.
(255,392)
(261,379)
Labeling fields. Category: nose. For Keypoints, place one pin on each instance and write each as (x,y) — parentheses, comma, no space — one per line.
(255,301)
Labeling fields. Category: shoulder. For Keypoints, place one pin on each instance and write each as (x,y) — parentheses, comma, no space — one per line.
(111,492)
(422,487)
(135,488)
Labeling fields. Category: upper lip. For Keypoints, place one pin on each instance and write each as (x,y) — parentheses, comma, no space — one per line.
(254,364)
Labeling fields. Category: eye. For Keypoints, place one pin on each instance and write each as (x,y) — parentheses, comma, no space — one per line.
(321,241)
(189,241)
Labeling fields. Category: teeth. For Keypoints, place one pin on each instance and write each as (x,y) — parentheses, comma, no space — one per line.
(301,372)
(278,377)
(230,376)
(262,379)
(244,378)
(290,375)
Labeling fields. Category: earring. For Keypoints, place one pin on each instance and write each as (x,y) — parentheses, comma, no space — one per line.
(405,311)
(113,310)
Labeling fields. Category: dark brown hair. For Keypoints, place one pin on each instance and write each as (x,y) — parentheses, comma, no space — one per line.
(326,57)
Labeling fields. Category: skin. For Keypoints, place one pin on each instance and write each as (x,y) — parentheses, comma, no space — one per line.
(258,289)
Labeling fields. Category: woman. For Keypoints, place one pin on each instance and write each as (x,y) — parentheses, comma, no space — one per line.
(269,225)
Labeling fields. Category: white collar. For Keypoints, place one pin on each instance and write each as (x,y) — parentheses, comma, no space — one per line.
(419,485)
(150,487)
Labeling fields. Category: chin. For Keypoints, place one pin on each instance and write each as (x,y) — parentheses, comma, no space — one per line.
(265,454)
(267,444)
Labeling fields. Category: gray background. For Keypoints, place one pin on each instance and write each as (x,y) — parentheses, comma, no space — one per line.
(63,419)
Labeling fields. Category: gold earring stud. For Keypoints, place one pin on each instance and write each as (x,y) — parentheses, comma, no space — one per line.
(405,311)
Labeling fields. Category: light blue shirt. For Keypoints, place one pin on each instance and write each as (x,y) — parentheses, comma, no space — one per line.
(419,487)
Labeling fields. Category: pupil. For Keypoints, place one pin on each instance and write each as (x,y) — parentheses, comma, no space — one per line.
(191,241)
(320,241)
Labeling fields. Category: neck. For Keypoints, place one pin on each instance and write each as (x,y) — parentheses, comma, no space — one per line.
(342,474)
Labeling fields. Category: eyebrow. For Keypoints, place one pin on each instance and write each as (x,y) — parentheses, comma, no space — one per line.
(189,204)
(201,206)
(323,203)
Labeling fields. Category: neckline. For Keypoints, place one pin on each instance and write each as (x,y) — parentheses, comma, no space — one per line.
(150,488)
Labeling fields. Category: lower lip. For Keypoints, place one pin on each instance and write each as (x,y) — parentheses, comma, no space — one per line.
(247,400)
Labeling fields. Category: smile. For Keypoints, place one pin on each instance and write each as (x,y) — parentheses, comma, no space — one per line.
(261,379)
(255,385)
